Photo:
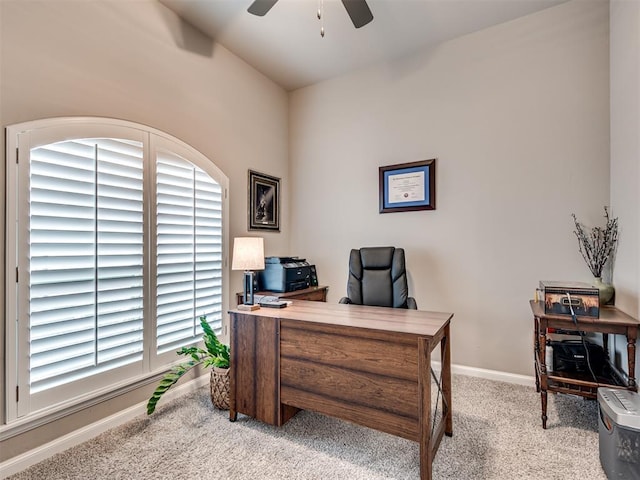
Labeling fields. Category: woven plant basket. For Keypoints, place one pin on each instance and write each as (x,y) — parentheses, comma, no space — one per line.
(219,384)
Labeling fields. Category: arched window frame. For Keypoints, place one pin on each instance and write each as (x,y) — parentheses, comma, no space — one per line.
(21,138)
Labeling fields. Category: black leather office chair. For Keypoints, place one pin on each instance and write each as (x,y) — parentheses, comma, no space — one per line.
(378,277)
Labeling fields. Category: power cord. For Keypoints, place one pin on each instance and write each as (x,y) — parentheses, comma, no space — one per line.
(582,337)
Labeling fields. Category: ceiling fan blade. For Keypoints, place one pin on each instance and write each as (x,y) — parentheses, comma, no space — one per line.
(358,11)
(261,7)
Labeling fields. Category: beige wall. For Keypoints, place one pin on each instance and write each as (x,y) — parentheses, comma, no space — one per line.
(137,61)
(625,154)
(518,117)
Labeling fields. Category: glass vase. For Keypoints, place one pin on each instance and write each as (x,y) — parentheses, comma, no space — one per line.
(605,290)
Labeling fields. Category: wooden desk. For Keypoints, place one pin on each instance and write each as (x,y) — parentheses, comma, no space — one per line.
(316,294)
(611,320)
(366,365)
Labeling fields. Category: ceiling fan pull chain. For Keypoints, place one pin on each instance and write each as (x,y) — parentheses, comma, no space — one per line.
(321,16)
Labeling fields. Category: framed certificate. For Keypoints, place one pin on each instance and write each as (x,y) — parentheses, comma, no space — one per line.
(407,187)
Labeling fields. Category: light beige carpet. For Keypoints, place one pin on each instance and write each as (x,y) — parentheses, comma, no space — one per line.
(497,435)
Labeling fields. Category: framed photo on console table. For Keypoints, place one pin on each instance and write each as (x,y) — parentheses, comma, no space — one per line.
(264,202)
(406,187)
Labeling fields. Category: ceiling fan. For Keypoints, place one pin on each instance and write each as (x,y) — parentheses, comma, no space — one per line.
(358,10)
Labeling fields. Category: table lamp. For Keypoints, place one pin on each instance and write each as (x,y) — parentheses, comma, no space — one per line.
(248,255)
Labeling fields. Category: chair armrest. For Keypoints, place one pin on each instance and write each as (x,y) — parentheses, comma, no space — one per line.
(344,300)
(411,303)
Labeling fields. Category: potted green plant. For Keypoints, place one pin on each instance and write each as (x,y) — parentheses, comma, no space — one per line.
(215,354)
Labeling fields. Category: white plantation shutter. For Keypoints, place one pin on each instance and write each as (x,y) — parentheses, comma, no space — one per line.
(85,259)
(189,251)
(209,258)
(116,238)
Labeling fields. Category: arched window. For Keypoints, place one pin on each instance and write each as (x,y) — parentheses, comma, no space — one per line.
(117,235)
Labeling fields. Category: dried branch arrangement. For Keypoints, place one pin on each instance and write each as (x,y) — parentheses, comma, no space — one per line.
(597,245)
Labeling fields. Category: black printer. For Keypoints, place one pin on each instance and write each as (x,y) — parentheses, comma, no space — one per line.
(284,274)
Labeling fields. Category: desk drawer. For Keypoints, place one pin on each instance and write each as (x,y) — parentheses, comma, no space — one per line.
(379,356)
(366,380)
(355,387)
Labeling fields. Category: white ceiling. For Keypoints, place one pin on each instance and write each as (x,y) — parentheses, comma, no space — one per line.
(287,47)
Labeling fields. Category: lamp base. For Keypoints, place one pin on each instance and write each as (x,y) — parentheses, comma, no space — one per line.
(242,306)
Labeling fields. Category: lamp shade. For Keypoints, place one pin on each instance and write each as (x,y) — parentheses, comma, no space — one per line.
(248,253)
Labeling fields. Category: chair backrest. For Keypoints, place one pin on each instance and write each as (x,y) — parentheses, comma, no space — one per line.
(377,277)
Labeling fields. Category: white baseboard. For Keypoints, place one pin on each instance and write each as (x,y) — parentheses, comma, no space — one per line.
(72,439)
(525,380)
(25,460)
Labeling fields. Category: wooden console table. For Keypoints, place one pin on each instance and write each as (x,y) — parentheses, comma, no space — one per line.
(611,321)
(316,294)
(367,365)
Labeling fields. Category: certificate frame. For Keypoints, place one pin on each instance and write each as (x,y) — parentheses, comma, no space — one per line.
(407,187)
(264,202)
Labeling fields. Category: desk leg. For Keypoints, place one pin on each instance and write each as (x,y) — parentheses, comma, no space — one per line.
(424,412)
(535,353)
(445,355)
(542,344)
(233,413)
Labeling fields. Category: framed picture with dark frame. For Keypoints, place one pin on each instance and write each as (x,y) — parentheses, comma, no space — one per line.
(407,187)
(264,202)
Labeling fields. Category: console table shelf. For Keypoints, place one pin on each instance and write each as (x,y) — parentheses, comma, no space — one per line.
(611,321)
(578,383)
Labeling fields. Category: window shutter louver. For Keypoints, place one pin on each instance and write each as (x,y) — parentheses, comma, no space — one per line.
(209,249)
(85,259)
(189,251)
